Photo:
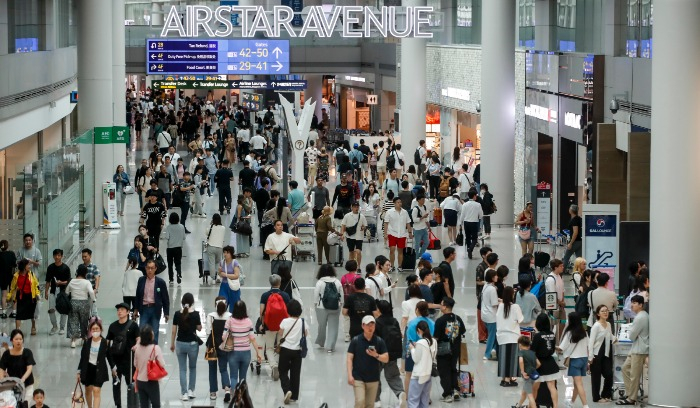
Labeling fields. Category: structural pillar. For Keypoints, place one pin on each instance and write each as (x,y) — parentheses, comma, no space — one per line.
(413,77)
(498,105)
(314,90)
(119,75)
(675,143)
(95,108)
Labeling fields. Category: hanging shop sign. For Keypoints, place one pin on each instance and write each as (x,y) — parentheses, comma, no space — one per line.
(456,93)
(572,120)
(541,113)
(601,247)
(544,206)
(386,21)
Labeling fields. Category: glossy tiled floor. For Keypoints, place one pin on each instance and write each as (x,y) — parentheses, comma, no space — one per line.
(323,375)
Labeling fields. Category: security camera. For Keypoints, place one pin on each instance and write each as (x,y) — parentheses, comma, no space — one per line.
(614,106)
(478,106)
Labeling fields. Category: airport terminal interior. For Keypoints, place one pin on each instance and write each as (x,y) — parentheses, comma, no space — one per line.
(522,128)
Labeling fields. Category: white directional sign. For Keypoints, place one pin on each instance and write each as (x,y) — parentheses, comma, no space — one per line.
(371,99)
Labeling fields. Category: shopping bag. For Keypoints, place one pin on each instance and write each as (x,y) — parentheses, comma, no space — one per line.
(463,354)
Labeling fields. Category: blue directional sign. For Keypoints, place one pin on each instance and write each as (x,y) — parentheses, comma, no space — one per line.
(235,57)
(275,85)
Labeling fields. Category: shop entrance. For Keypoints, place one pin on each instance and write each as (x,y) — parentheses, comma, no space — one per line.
(568,192)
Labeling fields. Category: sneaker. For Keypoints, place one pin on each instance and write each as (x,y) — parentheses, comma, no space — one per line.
(179,280)
(212,395)
(53,331)
(378,404)
(61,332)
(72,344)
(275,374)
(402,399)
(187,231)
(3,315)
(190,394)
(447,399)
(329,351)
(227,396)
(13,315)
(287,397)
(185,397)
(172,282)
(455,397)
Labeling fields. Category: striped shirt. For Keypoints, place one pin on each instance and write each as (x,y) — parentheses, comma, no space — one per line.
(242,331)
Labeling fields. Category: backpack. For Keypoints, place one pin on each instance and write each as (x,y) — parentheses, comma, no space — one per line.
(627,308)
(119,344)
(410,214)
(582,307)
(275,312)
(330,299)
(391,161)
(355,161)
(63,305)
(339,155)
(540,290)
(391,334)
(445,187)
(416,156)
(348,282)
(178,197)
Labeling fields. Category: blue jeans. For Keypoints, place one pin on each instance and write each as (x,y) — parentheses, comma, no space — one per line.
(419,394)
(185,351)
(239,362)
(420,241)
(223,362)
(150,316)
(491,343)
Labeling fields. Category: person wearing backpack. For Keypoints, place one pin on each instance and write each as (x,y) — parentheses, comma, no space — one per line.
(556,284)
(340,153)
(449,329)
(389,330)
(273,309)
(122,335)
(357,306)
(329,302)
(348,284)
(602,296)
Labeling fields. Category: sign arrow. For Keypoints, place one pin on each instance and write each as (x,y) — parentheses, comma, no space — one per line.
(277,65)
(195,84)
(153,67)
(277,51)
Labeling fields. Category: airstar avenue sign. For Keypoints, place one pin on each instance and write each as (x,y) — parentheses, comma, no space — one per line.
(387,21)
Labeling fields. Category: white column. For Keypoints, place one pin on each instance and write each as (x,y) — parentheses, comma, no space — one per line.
(675,144)
(156,14)
(498,104)
(314,89)
(413,76)
(119,76)
(95,85)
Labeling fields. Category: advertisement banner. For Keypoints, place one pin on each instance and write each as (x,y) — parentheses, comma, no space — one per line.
(601,239)
(544,207)
(109,206)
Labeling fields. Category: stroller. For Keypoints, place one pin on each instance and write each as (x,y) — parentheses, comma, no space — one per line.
(12,393)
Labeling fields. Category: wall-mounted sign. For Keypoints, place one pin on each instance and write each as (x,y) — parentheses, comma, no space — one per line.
(355,78)
(217,57)
(251,101)
(542,113)
(456,93)
(256,20)
(572,120)
(371,99)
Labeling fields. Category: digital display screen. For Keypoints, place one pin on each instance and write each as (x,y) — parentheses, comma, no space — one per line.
(26,44)
(234,57)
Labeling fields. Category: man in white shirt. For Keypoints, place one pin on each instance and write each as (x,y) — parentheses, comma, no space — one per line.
(400,158)
(174,157)
(381,163)
(243,137)
(423,155)
(464,183)
(312,158)
(420,216)
(258,143)
(353,228)
(554,283)
(392,183)
(313,136)
(278,242)
(469,217)
(397,226)
(163,138)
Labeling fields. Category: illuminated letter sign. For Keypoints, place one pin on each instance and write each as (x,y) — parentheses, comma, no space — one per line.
(385,21)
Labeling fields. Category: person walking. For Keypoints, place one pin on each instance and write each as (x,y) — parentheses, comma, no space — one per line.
(366,354)
(240,329)
(24,291)
(241,216)
(121,179)
(174,236)
(57,278)
(215,243)
(353,232)
(451,208)
(526,229)
(270,322)
(147,350)
(292,330)
(185,343)
(423,353)
(81,298)
(449,329)
(508,319)
(324,226)
(574,347)
(329,302)
(8,263)
(397,228)
(389,329)
(215,326)
(122,335)
(95,364)
(600,356)
(18,362)
(421,228)
(152,298)
(230,273)
(469,217)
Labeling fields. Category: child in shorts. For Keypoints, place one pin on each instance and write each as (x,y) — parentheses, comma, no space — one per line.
(528,368)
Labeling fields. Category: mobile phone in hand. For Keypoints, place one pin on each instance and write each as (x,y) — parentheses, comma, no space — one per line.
(371,348)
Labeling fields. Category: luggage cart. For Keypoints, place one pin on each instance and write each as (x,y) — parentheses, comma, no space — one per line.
(621,351)
(371,216)
(203,265)
(304,249)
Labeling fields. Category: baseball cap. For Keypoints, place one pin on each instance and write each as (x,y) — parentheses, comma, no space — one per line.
(426,256)
(356,145)
(368,319)
(355,204)
(122,305)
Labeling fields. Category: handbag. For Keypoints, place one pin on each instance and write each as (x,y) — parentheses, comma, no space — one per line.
(332,238)
(278,346)
(241,396)
(434,242)
(353,230)
(229,344)
(128,189)
(243,227)
(296,293)
(280,260)
(444,348)
(233,284)
(524,233)
(460,239)
(78,397)
(156,371)
(434,370)
(210,353)
(302,341)
(160,263)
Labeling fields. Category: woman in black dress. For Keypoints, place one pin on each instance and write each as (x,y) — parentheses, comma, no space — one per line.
(18,362)
(95,364)
(8,263)
(543,346)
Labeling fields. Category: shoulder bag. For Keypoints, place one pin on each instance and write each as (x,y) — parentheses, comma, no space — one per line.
(278,346)
(302,341)
(434,369)
(233,284)
(279,261)
(210,354)
(296,294)
(353,230)
(206,242)
(156,371)
(229,344)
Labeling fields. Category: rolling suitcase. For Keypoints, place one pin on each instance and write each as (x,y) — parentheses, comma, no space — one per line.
(337,255)
(437,215)
(409,259)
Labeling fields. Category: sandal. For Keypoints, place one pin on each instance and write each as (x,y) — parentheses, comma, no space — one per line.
(33,331)
(625,402)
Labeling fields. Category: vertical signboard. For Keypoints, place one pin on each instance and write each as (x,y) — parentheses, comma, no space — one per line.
(297,6)
(601,247)
(109,205)
(544,207)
